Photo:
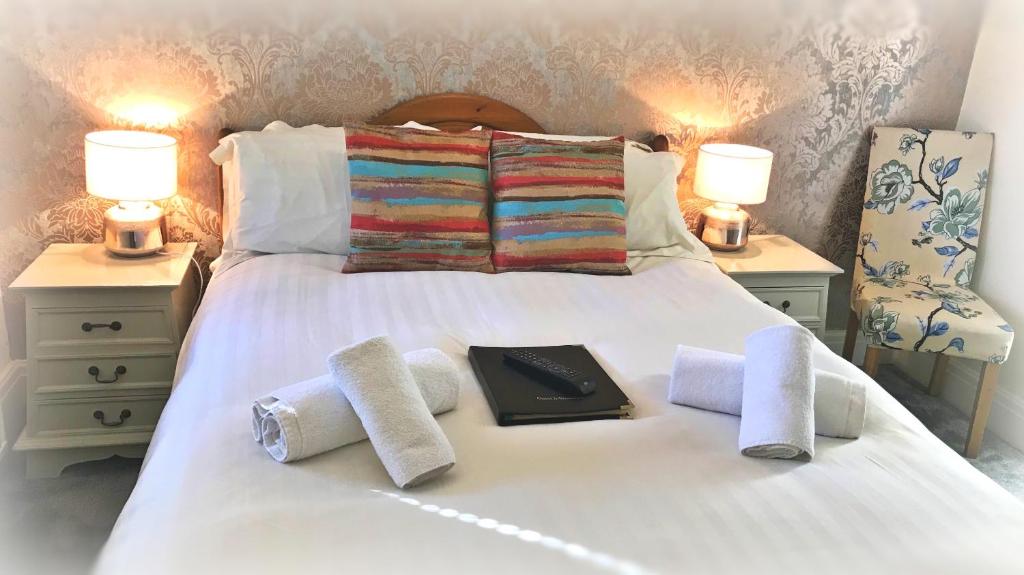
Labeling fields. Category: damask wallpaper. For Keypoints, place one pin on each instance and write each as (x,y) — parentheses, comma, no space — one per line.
(804,78)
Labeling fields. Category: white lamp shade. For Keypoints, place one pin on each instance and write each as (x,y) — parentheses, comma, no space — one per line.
(131,166)
(732,173)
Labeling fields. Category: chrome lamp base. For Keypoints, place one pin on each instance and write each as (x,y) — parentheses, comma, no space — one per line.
(134,229)
(724,227)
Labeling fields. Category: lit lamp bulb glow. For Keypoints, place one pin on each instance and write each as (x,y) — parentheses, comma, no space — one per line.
(730,175)
(134,169)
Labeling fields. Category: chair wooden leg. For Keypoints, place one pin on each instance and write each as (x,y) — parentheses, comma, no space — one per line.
(852,327)
(982,407)
(938,380)
(872,356)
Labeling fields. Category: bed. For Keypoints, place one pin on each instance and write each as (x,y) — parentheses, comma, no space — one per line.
(666,492)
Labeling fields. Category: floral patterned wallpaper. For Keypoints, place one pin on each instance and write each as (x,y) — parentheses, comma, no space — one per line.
(803,78)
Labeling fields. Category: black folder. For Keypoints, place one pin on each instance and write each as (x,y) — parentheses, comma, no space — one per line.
(517,398)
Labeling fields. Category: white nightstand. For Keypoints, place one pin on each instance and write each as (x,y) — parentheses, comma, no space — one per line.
(784,275)
(103,338)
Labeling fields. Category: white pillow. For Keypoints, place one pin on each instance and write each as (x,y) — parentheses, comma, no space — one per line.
(418,126)
(654,223)
(563,137)
(286,190)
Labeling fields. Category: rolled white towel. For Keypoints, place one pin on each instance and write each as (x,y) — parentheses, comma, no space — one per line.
(383,393)
(707,379)
(778,394)
(713,380)
(260,410)
(437,378)
(313,416)
(840,405)
(308,418)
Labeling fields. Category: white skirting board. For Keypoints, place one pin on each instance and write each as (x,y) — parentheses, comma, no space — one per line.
(1007,417)
(834,339)
(12,405)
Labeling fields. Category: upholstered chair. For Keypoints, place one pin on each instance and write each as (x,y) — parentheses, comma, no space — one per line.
(915,259)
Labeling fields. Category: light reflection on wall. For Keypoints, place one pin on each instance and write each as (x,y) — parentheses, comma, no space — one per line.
(147,110)
(702,121)
(574,550)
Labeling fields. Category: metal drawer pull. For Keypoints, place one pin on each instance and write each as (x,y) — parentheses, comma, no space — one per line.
(118,371)
(785,304)
(114,325)
(125,414)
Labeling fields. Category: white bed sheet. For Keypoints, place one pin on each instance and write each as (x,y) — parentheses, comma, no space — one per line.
(667,492)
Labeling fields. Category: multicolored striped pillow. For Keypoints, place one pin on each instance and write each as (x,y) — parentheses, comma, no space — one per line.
(419,200)
(558,205)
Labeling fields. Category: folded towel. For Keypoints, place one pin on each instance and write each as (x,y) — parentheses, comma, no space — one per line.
(313,416)
(383,393)
(713,380)
(778,393)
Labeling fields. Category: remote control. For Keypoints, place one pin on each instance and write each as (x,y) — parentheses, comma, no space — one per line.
(559,377)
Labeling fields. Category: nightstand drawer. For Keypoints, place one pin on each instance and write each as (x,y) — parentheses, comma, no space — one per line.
(76,415)
(801,304)
(71,327)
(104,374)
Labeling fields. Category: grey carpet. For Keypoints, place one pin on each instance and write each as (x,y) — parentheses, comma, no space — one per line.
(61,524)
(997,459)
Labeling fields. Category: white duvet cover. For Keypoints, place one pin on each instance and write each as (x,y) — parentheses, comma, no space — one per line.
(667,492)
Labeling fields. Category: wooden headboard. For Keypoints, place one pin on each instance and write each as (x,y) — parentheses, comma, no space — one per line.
(453,112)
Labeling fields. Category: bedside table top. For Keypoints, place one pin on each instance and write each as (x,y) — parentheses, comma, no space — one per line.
(91,266)
(774,254)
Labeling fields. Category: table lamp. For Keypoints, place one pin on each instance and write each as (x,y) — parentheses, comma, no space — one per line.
(729,175)
(134,169)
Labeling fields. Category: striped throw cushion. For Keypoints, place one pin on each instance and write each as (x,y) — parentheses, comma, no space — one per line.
(419,200)
(558,205)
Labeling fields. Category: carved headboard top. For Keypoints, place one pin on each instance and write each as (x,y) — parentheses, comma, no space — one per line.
(454,112)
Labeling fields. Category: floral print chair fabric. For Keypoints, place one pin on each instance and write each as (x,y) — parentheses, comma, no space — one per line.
(919,234)
(919,238)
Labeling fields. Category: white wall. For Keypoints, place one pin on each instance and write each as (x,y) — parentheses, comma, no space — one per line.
(994,102)
(5,351)
(7,397)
